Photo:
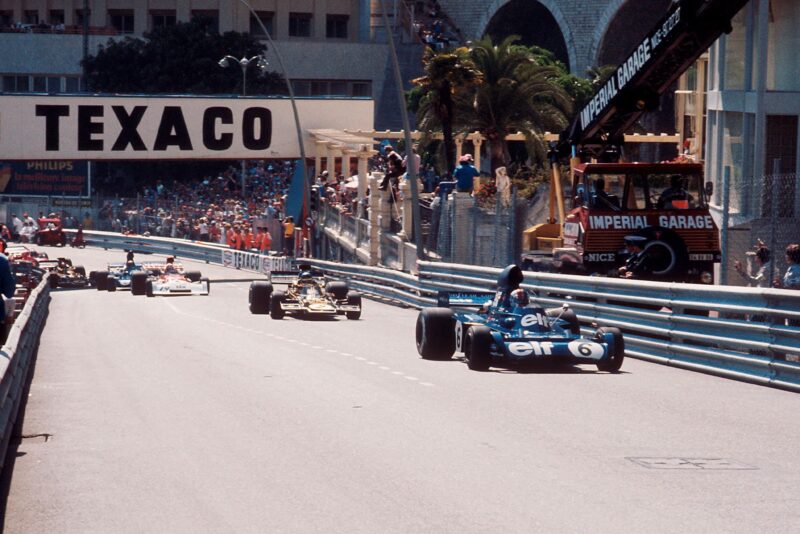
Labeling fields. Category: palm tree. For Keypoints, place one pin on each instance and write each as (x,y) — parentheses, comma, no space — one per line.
(516,93)
(448,76)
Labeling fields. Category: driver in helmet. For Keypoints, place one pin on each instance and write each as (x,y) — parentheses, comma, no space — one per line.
(518,298)
(130,266)
(170,268)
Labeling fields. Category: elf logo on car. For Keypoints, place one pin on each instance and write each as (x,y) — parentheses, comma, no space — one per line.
(526,348)
(586,349)
(532,319)
(459,335)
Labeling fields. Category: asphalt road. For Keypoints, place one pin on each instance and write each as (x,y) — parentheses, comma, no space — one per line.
(190,414)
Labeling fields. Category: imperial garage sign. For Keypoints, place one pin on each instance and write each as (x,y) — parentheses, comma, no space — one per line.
(129,128)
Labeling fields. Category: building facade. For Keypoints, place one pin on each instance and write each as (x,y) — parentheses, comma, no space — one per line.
(328,47)
(753,109)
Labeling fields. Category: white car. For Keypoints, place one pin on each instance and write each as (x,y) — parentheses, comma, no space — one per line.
(171,284)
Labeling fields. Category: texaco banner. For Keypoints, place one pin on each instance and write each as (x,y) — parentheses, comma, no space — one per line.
(249,261)
(46,127)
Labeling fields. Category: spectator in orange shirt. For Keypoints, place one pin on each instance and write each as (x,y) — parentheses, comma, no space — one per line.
(248,238)
(266,240)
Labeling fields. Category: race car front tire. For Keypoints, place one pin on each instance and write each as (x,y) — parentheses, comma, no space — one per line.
(259,297)
(337,289)
(614,362)
(194,276)
(477,351)
(52,280)
(354,299)
(101,280)
(435,333)
(148,290)
(138,283)
(275,309)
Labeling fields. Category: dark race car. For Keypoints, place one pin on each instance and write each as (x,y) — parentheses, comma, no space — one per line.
(61,273)
(507,330)
(307,295)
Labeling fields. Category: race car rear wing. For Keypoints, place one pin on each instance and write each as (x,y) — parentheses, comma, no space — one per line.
(289,277)
(463,299)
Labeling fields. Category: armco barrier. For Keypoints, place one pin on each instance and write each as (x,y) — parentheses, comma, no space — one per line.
(728,331)
(16,357)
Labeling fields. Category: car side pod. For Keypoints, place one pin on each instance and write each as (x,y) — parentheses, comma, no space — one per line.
(435,333)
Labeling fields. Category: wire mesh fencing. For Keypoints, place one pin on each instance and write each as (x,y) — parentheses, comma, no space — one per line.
(763,214)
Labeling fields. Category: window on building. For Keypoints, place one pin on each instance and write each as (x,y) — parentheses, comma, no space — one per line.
(735,51)
(120,20)
(162,18)
(210,17)
(300,24)
(16,83)
(363,89)
(56,16)
(79,17)
(266,18)
(336,26)
(341,88)
(6,18)
(780,157)
(72,84)
(53,84)
(783,61)
(30,16)
(39,84)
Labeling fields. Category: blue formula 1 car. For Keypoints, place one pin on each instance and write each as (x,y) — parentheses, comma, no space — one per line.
(506,330)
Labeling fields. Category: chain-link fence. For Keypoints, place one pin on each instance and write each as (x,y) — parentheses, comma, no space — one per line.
(762,214)
(465,229)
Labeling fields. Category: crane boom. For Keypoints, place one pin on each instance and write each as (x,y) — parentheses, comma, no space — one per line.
(688,29)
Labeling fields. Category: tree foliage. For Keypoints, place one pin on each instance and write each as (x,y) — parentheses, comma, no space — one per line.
(180,59)
(498,89)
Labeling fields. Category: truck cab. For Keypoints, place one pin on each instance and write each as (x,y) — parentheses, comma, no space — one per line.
(665,202)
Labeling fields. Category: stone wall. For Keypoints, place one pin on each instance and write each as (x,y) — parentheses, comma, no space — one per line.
(583,24)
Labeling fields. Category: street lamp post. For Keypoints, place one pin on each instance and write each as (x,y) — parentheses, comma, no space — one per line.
(262,64)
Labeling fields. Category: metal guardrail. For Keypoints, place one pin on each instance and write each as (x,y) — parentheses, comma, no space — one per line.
(735,332)
(16,357)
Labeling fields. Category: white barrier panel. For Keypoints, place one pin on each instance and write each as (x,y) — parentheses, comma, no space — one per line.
(43,127)
(249,261)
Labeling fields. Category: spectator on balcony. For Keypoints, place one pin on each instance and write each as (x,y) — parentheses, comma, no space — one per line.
(465,174)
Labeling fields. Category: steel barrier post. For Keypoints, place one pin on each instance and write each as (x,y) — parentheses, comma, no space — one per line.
(726,204)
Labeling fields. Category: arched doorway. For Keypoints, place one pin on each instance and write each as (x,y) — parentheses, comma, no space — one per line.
(535,25)
(627,27)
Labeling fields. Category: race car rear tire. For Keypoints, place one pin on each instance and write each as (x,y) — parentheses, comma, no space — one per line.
(568,316)
(275,300)
(478,341)
(354,299)
(81,270)
(52,280)
(259,297)
(337,289)
(138,283)
(614,363)
(148,289)
(101,280)
(435,333)
(194,276)
(111,285)
(208,284)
